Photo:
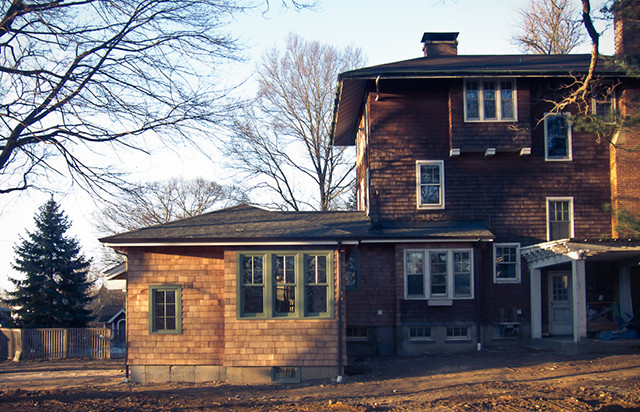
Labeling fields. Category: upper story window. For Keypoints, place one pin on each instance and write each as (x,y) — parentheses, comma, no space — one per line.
(285,284)
(603,105)
(490,100)
(557,137)
(559,218)
(430,184)
(438,274)
(507,263)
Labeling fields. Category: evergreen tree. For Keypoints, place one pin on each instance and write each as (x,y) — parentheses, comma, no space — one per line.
(56,290)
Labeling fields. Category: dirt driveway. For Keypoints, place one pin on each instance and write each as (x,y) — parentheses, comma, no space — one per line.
(500,380)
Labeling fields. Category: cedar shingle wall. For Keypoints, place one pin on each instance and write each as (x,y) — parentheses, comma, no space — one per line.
(506,190)
(200,273)
(275,342)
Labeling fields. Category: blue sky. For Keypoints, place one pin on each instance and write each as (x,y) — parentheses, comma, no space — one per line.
(386,30)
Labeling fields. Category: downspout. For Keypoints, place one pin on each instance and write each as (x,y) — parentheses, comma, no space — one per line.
(339,286)
(126,317)
(476,269)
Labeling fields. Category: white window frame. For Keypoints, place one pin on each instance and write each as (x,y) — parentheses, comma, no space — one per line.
(426,285)
(569,156)
(481,116)
(426,337)
(571,215)
(428,206)
(465,337)
(608,99)
(518,278)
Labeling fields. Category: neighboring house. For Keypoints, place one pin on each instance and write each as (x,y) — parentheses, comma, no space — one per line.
(480,222)
(115,278)
(113,317)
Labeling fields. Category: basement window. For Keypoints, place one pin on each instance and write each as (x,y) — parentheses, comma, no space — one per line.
(285,374)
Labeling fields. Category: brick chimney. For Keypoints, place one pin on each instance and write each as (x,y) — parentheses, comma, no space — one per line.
(440,44)
(627,28)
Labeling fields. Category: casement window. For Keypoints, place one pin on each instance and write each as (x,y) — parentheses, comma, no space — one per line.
(559,218)
(430,184)
(165,309)
(438,274)
(557,137)
(490,100)
(506,268)
(285,284)
(420,334)
(458,333)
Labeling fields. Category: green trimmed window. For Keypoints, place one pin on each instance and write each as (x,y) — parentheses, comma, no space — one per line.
(285,284)
(165,309)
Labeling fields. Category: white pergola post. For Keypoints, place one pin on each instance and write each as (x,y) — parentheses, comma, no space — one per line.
(579,297)
(536,303)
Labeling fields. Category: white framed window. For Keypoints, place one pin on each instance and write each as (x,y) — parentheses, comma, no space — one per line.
(559,218)
(457,333)
(420,334)
(603,104)
(430,184)
(490,100)
(438,274)
(557,137)
(357,333)
(506,258)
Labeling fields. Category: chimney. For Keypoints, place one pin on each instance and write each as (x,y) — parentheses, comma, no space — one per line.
(440,44)
(626,16)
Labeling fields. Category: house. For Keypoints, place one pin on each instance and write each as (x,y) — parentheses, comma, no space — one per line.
(480,222)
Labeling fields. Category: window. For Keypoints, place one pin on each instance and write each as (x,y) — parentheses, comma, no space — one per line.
(352,271)
(603,104)
(507,263)
(490,100)
(417,334)
(557,137)
(559,218)
(165,309)
(357,333)
(430,184)
(285,374)
(438,274)
(285,284)
(458,333)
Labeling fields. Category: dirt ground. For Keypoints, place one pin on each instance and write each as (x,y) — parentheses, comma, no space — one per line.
(500,380)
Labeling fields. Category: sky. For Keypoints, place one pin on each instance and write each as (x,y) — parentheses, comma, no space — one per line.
(385,30)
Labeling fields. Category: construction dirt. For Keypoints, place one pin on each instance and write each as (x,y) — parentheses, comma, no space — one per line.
(496,380)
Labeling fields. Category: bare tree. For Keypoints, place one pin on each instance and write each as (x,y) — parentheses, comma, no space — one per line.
(282,141)
(74,73)
(549,27)
(161,202)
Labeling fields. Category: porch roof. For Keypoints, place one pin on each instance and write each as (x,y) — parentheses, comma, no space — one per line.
(558,251)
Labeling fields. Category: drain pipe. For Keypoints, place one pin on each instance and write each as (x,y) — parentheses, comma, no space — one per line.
(339,286)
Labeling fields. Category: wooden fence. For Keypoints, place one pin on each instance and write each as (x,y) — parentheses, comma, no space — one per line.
(56,343)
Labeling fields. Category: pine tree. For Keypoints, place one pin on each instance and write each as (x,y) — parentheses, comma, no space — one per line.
(56,290)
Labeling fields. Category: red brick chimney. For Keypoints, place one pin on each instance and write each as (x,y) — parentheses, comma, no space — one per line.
(627,27)
(440,44)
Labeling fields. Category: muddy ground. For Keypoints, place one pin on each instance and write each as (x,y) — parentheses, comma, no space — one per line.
(499,380)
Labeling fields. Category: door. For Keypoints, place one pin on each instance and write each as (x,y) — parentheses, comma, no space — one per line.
(560,319)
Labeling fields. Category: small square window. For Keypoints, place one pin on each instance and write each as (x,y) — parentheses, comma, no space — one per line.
(418,334)
(285,374)
(458,333)
(357,333)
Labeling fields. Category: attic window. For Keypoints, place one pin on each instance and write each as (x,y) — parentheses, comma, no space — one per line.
(489,100)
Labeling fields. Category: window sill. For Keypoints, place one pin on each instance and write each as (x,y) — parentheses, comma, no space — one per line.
(440,302)
(506,281)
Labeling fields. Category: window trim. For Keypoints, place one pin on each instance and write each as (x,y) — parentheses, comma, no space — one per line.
(441,204)
(178,328)
(424,338)
(498,118)
(571,215)
(569,156)
(426,284)
(462,338)
(518,278)
(300,285)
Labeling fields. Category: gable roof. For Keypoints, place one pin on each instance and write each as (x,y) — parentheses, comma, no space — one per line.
(109,313)
(245,225)
(353,84)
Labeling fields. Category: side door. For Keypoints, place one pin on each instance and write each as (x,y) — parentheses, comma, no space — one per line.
(560,315)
